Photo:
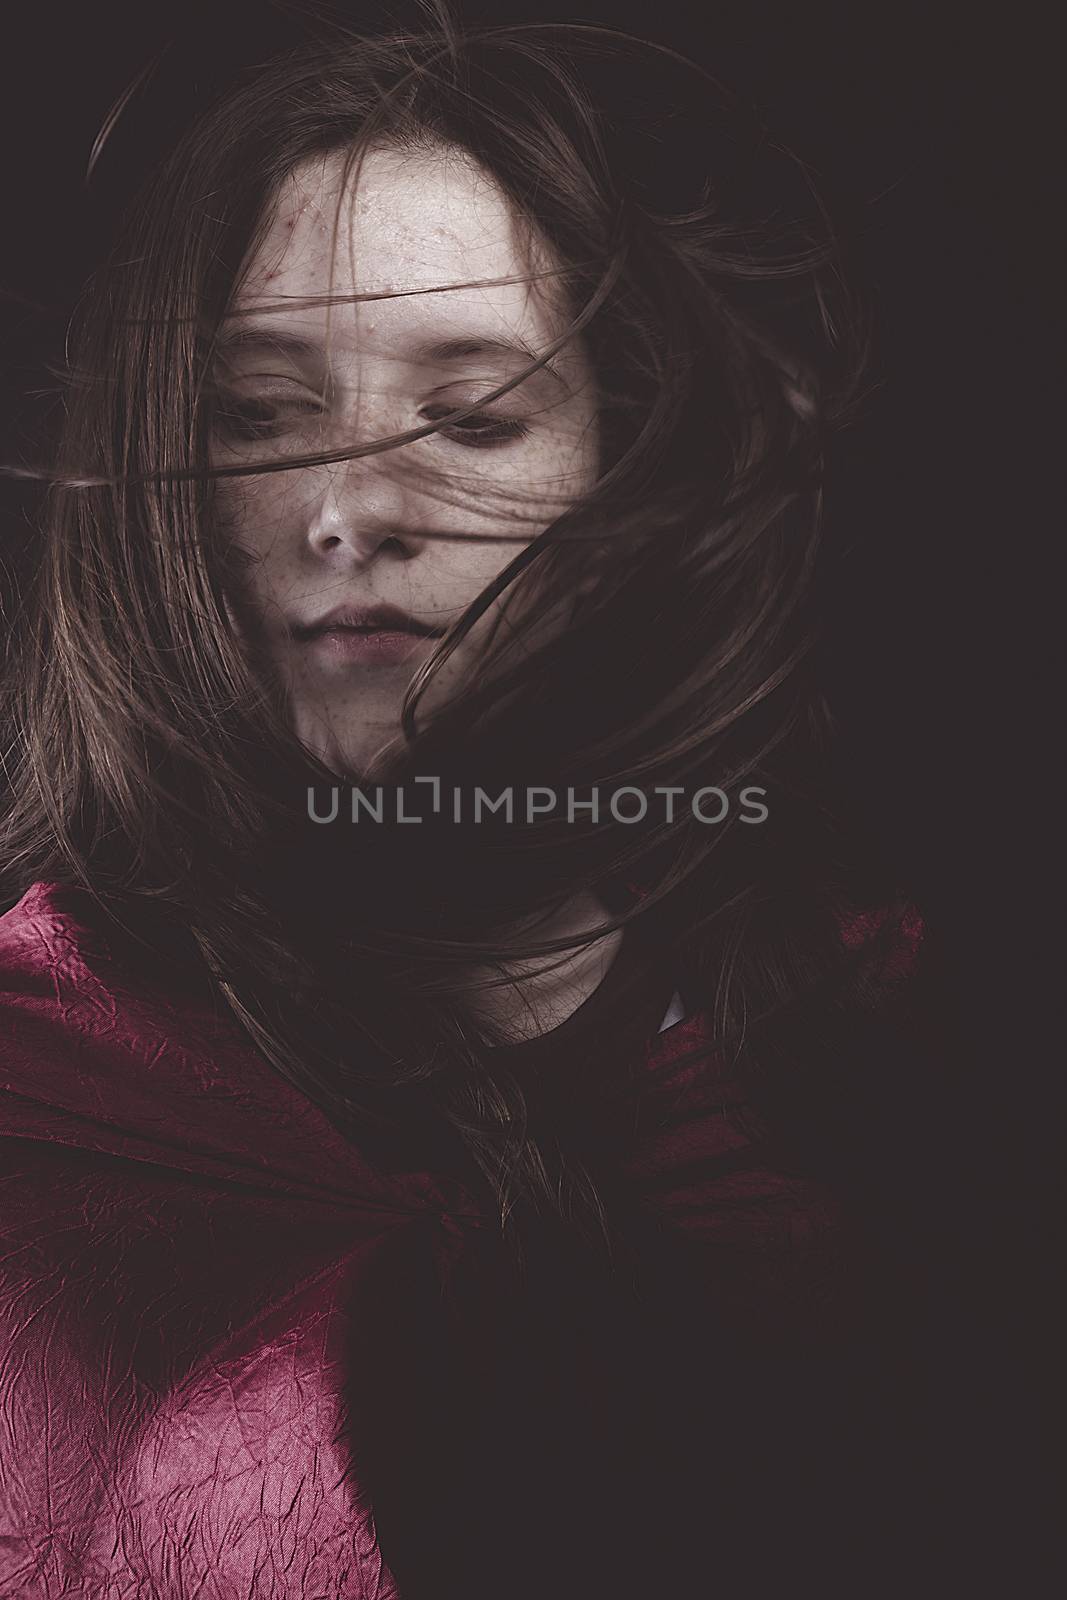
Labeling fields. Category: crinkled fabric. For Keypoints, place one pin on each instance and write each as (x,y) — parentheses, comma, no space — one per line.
(193,1258)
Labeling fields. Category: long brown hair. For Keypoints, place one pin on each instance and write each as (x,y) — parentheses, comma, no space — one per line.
(151,764)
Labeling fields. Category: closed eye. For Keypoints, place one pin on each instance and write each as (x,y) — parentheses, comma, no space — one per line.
(479,431)
(259,418)
(241,418)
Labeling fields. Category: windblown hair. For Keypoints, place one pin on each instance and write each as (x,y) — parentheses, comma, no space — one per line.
(150,762)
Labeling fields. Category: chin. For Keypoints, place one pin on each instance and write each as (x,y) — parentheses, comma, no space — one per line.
(368,758)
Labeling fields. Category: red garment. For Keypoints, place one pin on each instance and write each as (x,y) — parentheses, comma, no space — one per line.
(189,1248)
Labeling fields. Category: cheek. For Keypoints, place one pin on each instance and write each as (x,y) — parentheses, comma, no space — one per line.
(250,522)
(456,571)
(531,487)
(568,458)
(259,514)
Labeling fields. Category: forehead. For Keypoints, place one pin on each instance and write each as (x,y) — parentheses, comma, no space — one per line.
(409,224)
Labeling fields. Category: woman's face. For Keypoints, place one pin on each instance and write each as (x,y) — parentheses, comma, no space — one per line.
(299,377)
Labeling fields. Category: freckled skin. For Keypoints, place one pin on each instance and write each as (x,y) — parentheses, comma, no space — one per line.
(360,532)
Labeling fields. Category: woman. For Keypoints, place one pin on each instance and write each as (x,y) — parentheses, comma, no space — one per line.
(439,1010)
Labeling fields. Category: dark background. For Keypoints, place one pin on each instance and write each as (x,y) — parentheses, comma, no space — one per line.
(930,129)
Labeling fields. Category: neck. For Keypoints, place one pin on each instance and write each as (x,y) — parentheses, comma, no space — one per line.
(533,1001)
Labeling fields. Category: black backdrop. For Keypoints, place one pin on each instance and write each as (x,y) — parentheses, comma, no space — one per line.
(930,128)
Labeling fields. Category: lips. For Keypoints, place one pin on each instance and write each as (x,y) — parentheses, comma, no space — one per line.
(367,647)
(366,620)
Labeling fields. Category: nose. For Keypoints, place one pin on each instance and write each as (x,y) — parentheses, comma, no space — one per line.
(362,505)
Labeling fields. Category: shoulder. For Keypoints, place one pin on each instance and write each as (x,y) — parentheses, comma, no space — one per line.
(49,995)
(718,1166)
(885,950)
(873,952)
(68,1004)
(37,934)
(896,931)
(98,1062)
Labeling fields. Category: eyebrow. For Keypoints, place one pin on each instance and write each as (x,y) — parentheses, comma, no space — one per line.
(252,337)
